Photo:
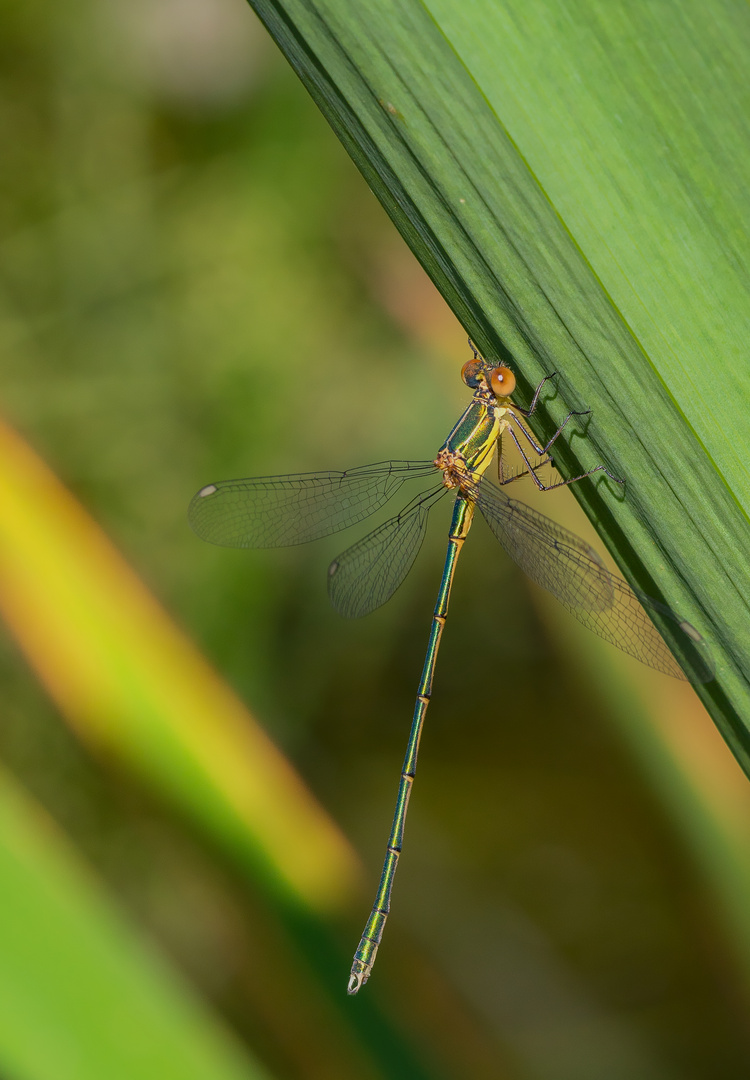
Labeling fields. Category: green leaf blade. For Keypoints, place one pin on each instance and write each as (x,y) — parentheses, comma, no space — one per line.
(448,117)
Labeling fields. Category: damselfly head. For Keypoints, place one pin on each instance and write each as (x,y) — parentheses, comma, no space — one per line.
(472,373)
(478,374)
(502,381)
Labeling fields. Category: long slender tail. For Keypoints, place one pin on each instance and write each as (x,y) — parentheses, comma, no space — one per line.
(364,957)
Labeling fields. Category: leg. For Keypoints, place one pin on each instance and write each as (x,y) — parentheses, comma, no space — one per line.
(537,392)
(532,407)
(502,478)
(560,483)
(530,438)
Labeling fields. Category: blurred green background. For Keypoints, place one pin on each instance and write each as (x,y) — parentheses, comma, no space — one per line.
(197,284)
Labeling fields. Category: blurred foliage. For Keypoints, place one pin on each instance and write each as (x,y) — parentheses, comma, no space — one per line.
(76,982)
(196,284)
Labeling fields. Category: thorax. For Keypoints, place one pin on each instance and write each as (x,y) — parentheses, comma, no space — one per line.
(472,441)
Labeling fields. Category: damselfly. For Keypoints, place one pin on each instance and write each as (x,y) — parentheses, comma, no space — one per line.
(283,510)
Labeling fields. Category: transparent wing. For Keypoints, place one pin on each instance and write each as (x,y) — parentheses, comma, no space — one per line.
(566,566)
(278,511)
(369,572)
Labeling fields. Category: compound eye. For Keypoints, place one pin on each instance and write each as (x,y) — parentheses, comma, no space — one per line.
(502,381)
(471,373)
